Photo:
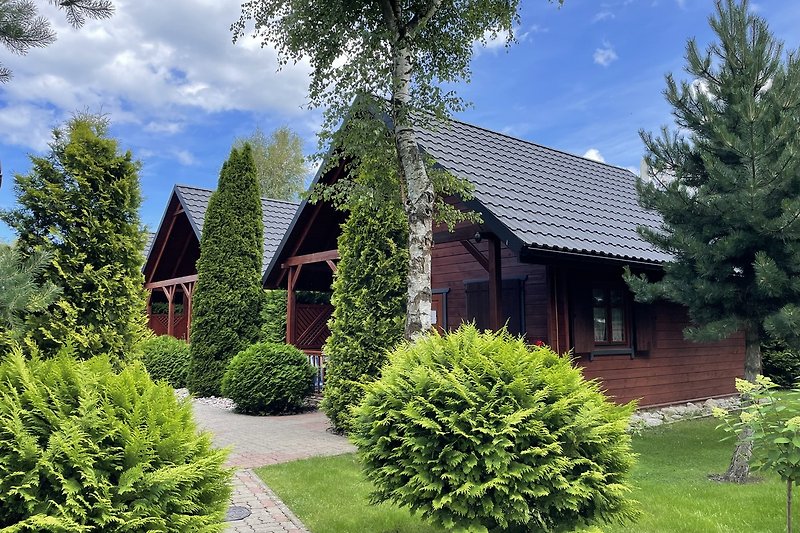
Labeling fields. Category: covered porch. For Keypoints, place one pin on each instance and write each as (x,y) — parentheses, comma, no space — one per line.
(169,306)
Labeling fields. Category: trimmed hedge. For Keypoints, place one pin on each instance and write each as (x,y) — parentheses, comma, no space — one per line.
(478,431)
(83,448)
(166,359)
(269,378)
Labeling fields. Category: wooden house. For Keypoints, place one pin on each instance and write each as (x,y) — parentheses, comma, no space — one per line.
(547,260)
(170,269)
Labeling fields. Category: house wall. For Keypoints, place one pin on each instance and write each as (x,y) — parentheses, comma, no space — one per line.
(671,370)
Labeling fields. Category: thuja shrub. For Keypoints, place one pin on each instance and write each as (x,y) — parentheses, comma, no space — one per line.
(269,378)
(781,364)
(481,432)
(84,448)
(166,359)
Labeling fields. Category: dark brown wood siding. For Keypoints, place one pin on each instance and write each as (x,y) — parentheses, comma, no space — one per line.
(453,265)
(667,368)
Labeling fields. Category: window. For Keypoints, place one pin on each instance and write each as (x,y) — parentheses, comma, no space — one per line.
(608,314)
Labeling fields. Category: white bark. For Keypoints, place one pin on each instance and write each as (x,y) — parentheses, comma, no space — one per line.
(419,200)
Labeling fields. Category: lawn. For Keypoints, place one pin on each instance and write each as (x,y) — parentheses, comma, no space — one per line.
(330,496)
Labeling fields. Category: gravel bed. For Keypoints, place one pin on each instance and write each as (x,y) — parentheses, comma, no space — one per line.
(214,401)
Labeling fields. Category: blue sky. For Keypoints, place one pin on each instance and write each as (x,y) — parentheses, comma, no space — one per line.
(585,78)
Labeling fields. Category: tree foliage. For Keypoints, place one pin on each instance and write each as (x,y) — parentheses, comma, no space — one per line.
(84,448)
(392,58)
(22,28)
(80,205)
(369,305)
(166,359)
(21,293)
(481,432)
(226,310)
(280,165)
(728,187)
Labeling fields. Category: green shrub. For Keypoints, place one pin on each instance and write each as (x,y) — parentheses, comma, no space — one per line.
(269,378)
(166,359)
(369,298)
(781,365)
(478,431)
(273,316)
(83,448)
(226,310)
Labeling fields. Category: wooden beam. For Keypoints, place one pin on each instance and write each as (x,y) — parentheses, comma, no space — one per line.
(290,306)
(188,292)
(169,282)
(332,265)
(169,292)
(317,208)
(495,284)
(318,257)
(181,256)
(163,246)
(477,254)
(460,234)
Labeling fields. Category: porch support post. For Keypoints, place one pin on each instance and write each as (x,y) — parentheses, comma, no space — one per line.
(495,284)
(170,294)
(291,300)
(188,292)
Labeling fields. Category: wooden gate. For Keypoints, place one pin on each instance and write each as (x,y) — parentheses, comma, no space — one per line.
(311,326)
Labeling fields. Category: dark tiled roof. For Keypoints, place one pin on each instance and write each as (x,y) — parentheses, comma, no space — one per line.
(546,198)
(149,244)
(276,214)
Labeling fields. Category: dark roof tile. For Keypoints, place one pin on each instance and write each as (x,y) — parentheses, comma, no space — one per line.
(276,215)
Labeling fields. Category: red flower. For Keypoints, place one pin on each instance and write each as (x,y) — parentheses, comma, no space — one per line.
(539,342)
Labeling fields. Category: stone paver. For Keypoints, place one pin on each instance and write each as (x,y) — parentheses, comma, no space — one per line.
(258,441)
(265,440)
(269,513)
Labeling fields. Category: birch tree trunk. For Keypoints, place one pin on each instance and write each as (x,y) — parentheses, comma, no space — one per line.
(419,199)
(739,469)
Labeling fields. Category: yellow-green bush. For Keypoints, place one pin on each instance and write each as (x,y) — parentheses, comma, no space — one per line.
(268,378)
(84,448)
(478,431)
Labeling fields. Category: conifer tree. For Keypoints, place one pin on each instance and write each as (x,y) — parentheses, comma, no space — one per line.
(369,304)
(727,185)
(80,205)
(228,298)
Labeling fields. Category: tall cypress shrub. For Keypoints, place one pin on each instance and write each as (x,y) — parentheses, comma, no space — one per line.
(369,304)
(80,205)
(228,298)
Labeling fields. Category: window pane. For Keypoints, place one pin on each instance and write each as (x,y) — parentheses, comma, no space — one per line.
(617,325)
(616,298)
(599,297)
(600,330)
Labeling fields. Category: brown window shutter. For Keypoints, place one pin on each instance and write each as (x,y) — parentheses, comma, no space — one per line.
(477,303)
(582,321)
(514,305)
(644,317)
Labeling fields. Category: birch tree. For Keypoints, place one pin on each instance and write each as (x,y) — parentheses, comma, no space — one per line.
(384,68)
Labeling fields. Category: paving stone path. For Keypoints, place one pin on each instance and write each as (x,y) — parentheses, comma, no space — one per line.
(257,441)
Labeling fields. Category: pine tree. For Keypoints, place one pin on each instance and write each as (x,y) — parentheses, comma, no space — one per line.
(369,304)
(20,292)
(80,204)
(727,185)
(228,298)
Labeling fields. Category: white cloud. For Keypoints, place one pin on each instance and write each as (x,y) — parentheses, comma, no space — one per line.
(603,15)
(184,157)
(595,155)
(605,55)
(158,64)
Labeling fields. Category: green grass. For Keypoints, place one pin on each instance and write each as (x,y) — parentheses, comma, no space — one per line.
(671,482)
